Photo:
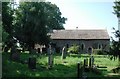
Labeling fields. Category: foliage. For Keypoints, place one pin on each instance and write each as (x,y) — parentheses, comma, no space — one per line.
(0,32)
(33,21)
(117,8)
(7,17)
(115,47)
(7,26)
(74,49)
(99,52)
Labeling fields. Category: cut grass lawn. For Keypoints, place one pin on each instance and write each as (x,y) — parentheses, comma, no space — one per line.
(60,69)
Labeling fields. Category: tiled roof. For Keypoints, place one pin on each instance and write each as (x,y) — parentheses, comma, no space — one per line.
(80,34)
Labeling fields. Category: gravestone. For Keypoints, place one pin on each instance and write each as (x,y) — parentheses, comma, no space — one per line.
(6,49)
(79,70)
(39,53)
(15,54)
(85,65)
(64,53)
(92,61)
(32,63)
(50,57)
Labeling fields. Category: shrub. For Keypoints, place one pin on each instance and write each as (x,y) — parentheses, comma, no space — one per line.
(73,49)
(99,52)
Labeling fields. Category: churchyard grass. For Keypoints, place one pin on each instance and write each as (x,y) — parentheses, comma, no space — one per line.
(60,69)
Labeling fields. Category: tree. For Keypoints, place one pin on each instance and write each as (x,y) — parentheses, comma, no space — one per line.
(7,26)
(115,45)
(117,8)
(33,21)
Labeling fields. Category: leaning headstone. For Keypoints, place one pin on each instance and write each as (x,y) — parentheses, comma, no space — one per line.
(32,63)
(64,53)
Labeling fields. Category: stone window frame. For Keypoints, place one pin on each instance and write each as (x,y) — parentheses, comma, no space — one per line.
(99,46)
(83,46)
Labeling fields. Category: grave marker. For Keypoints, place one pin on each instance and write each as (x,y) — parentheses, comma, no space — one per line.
(32,63)
(50,57)
(15,54)
(79,70)
(92,61)
(90,64)
(64,53)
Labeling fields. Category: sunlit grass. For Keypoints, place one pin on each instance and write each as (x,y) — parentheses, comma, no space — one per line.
(60,69)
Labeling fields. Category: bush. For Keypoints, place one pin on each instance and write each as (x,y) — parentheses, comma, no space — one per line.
(73,49)
(99,52)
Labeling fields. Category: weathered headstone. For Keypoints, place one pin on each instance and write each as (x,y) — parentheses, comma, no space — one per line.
(6,49)
(15,54)
(92,61)
(64,53)
(50,57)
(38,52)
(79,70)
(32,63)
(85,63)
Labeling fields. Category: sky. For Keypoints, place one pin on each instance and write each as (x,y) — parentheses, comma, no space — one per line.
(88,14)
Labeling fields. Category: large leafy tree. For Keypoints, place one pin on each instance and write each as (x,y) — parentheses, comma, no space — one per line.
(33,21)
(115,47)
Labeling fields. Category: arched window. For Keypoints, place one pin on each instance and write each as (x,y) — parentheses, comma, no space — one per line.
(67,45)
(83,46)
(99,46)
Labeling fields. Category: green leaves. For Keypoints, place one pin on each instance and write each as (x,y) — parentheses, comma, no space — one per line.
(33,20)
(117,8)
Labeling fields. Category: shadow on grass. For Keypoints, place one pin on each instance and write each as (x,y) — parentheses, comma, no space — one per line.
(15,69)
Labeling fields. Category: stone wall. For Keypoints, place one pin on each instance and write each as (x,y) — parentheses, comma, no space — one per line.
(86,44)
